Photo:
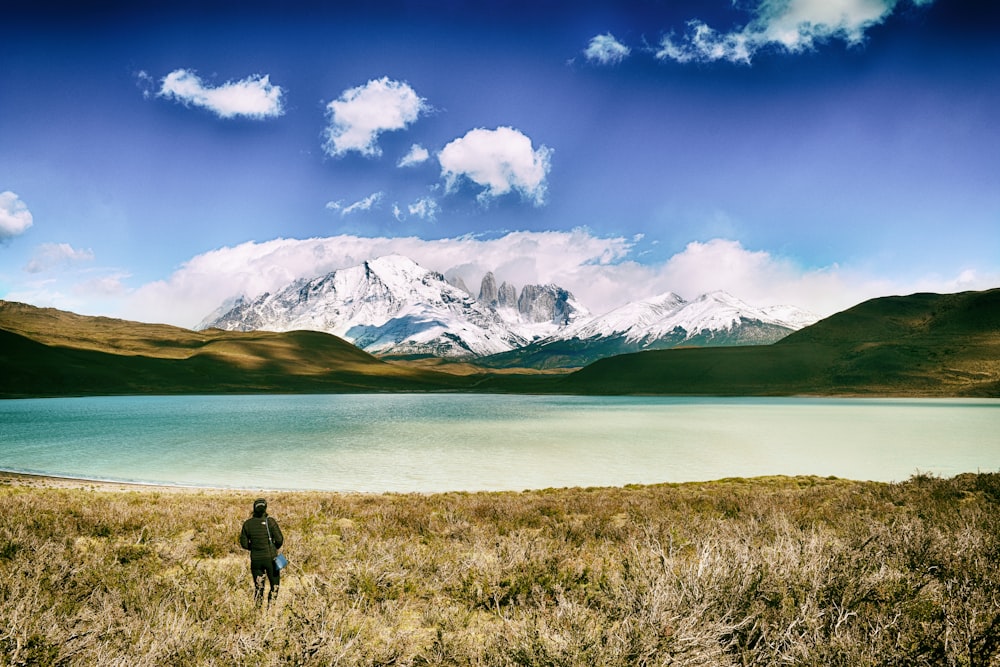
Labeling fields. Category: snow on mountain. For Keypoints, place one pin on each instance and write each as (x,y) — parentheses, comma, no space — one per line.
(539,312)
(642,316)
(391,305)
(660,322)
(791,316)
(670,316)
(386,305)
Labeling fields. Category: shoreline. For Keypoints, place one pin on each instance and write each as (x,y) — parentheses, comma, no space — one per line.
(44,481)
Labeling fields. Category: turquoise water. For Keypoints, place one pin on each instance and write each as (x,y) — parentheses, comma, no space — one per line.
(439,442)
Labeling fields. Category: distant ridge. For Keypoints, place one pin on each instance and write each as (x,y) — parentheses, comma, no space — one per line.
(917,345)
(48,352)
(715,319)
(393,307)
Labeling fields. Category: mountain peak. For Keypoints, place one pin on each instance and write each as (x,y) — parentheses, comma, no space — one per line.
(488,289)
(389,304)
(392,305)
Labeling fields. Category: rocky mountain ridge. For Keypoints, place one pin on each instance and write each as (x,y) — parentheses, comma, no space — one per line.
(392,306)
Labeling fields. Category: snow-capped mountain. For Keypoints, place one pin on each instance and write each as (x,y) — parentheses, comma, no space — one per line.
(716,314)
(660,322)
(391,305)
(539,312)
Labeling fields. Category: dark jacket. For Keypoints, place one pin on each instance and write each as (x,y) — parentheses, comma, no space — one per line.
(253,537)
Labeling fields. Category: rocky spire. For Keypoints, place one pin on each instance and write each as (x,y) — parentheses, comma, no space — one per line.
(488,290)
(545,303)
(507,297)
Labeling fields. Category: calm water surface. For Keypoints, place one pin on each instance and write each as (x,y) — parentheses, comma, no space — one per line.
(438,442)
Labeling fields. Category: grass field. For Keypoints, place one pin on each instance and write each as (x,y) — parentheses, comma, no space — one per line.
(771,571)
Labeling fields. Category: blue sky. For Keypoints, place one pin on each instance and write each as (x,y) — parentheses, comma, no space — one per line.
(157,159)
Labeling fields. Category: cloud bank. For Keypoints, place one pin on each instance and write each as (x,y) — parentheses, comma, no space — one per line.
(254,97)
(599,271)
(789,25)
(15,218)
(361,114)
(500,160)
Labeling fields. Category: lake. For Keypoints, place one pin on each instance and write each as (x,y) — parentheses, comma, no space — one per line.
(446,442)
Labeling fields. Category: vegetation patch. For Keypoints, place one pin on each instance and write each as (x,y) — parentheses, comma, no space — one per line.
(776,570)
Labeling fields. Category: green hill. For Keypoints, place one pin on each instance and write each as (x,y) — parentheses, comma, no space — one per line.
(917,345)
(47,352)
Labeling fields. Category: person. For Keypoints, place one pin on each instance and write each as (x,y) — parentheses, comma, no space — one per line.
(262,537)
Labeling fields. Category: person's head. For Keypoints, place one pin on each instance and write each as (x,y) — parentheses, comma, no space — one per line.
(259,507)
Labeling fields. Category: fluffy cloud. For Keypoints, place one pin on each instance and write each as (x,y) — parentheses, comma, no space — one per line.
(791,25)
(51,255)
(366,204)
(361,114)
(417,155)
(15,218)
(500,160)
(606,50)
(253,97)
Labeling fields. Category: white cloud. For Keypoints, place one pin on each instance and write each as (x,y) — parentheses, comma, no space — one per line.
(606,50)
(253,97)
(111,285)
(15,218)
(425,208)
(146,83)
(762,278)
(417,155)
(704,44)
(361,114)
(50,255)
(84,291)
(366,204)
(791,25)
(501,160)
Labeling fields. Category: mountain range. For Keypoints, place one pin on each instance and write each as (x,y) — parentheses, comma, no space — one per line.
(392,307)
(916,345)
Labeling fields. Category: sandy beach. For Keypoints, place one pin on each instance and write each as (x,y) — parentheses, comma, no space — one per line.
(55,482)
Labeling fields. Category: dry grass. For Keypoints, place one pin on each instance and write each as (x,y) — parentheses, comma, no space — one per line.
(800,571)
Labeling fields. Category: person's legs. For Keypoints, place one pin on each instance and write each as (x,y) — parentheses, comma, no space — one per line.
(273,578)
(259,573)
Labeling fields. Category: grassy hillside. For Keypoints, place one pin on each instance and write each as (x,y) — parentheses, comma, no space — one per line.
(775,571)
(45,352)
(923,345)
(918,345)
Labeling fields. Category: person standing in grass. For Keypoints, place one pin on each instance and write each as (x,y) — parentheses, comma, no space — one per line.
(262,537)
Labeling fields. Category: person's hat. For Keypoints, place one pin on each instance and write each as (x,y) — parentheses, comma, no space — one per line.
(259,504)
